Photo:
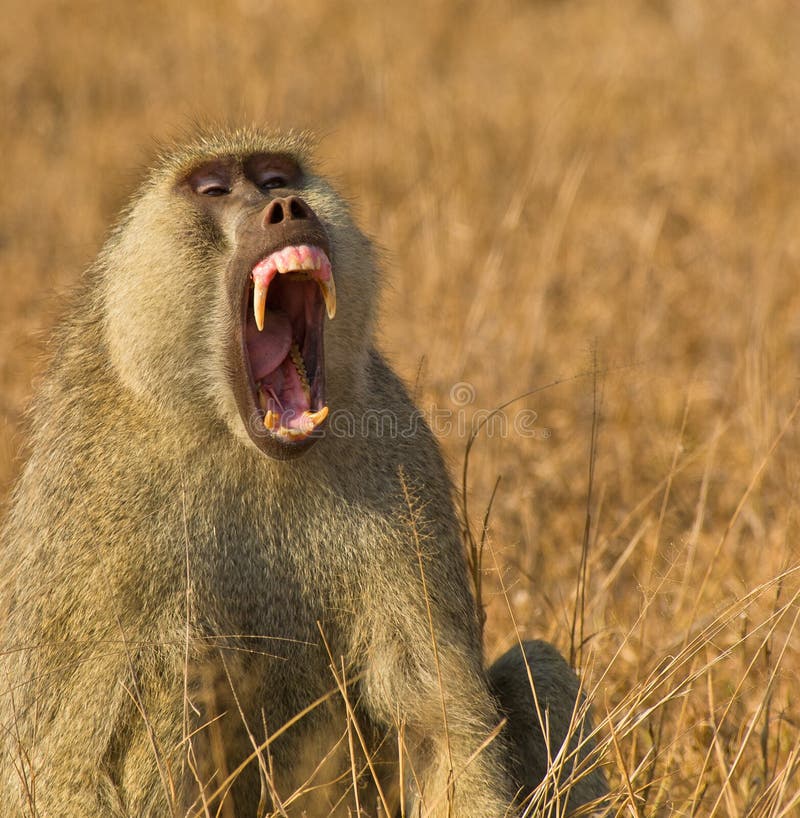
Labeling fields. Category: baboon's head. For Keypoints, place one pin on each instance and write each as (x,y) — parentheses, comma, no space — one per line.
(238,288)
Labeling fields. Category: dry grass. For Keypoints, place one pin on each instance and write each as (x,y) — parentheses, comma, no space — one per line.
(560,187)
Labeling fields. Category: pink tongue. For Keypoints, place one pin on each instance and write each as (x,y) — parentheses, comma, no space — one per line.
(268,348)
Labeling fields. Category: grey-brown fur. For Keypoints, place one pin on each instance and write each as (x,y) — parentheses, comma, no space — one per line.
(538,727)
(164,585)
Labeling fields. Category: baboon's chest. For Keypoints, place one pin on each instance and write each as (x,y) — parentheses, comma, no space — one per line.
(277,587)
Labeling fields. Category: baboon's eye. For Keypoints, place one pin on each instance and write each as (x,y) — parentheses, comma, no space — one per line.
(272,180)
(210,179)
(269,171)
(213,189)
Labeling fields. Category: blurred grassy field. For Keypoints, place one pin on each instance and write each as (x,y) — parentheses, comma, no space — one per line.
(559,187)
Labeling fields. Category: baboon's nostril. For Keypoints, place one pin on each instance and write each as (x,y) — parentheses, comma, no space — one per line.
(298,208)
(275,212)
(291,208)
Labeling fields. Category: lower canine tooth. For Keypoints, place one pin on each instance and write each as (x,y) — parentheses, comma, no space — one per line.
(271,420)
(313,419)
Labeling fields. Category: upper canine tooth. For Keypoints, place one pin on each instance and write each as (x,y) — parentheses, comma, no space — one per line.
(329,294)
(259,301)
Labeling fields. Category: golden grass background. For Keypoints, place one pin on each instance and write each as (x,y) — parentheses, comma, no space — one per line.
(559,187)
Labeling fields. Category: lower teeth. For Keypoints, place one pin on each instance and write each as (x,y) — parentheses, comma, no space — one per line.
(313,419)
(310,420)
(299,365)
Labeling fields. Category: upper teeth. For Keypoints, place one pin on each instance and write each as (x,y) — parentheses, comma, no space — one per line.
(329,294)
(311,259)
(259,301)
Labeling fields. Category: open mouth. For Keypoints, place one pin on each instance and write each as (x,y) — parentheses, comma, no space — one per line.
(289,293)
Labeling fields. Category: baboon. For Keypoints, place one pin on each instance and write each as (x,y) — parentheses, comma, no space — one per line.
(538,694)
(222,594)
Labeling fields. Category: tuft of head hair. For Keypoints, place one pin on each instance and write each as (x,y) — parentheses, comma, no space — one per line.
(203,142)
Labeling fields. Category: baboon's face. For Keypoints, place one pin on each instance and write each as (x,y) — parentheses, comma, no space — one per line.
(280,286)
(221,296)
